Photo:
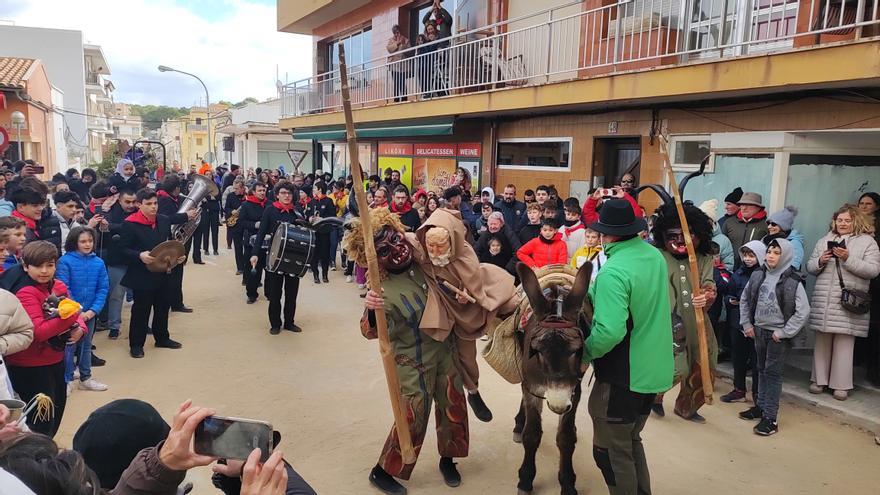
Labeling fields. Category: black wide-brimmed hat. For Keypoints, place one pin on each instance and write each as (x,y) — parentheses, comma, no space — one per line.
(617,218)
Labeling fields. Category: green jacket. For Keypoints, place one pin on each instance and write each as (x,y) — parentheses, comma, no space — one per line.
(630,343)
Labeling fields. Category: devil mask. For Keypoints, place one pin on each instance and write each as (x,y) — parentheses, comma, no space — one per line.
(392,251)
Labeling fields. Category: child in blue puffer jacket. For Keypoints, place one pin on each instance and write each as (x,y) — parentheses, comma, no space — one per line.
(85,276)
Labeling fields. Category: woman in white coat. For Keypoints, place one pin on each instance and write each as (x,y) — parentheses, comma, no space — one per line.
(836,328)
(16,334)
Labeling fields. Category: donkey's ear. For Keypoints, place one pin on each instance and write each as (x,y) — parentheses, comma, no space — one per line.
(574,301)
(533,290)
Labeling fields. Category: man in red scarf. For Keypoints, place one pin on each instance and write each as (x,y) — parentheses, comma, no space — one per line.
(141,232)
(321,206)
(404,209)
(168,195)
(278,284)
(249,216)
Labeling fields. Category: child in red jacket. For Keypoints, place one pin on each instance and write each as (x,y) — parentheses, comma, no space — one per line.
(546,249)
(40,367)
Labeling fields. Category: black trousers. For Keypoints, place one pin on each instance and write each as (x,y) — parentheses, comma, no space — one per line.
(278,285)
(157,302)
(253,278)
(742,353)
(195,240)
(49,380)
(241,263)
(322,254)
(176,286)
(399,79)
(211,224)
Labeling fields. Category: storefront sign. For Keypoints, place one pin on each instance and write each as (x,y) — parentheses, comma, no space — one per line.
(469,150)
(434,149)
(395,149)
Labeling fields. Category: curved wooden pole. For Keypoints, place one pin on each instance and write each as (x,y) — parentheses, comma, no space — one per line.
(385,350)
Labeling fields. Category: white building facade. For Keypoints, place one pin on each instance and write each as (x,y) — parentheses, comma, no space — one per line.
(258,141)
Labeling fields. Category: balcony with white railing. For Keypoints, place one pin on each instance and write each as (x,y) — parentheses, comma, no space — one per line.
(549,47)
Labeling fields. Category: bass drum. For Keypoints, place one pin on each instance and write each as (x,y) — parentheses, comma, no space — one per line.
(292,251)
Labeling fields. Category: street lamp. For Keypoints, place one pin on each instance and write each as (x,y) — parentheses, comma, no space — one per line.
(19,122)
(163,68)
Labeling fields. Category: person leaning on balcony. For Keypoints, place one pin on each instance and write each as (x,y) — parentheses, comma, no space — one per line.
(398,65)
(847,256)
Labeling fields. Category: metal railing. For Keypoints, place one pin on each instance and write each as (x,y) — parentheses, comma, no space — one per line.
(567,42)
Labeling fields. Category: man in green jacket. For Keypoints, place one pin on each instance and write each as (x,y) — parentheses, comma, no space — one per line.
(630,347)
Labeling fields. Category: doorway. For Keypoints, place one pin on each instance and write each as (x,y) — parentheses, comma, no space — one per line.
(613,157)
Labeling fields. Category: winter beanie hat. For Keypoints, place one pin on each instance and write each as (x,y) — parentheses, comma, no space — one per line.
(710,208)
(784,218)
(734,196)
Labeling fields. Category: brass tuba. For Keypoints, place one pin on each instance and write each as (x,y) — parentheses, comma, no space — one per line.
(202,187)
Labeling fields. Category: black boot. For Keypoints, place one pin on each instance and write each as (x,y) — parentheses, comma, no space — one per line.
(385,482)
(317,280)
(657,407)
(325,279)
(450,473)
(480,409)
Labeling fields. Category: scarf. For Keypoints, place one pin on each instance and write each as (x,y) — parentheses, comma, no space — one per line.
(758,216)
(94,202)
(254,200)
(140,218)
(30,223)
(164,194)
(282,207)
(383,204)
(402,209)
(574,228)
(305,202)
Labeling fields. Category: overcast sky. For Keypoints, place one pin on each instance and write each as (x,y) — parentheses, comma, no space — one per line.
(233,45)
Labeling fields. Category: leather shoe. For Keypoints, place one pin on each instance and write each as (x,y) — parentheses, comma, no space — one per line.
(274,330)
(169,344)
(292,327)
(480,409)
(136,352)
(251,300)
(658,409)
(199,262)
(96,361)
(325,279)
(182,309)
(385,482)
(450,474)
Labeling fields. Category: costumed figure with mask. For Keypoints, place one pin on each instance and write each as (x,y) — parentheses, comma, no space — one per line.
(668,237)
(425,362)
(466,295)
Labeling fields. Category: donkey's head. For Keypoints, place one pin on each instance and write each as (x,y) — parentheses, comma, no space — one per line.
(554,337)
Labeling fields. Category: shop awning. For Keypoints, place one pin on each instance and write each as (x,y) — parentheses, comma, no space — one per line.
(423,127)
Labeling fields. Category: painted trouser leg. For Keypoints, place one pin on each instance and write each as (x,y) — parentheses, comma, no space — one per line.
(427,375)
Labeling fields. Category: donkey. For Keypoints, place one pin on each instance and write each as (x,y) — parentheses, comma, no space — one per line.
(552,344)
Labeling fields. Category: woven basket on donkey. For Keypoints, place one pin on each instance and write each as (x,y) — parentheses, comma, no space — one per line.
(502,352)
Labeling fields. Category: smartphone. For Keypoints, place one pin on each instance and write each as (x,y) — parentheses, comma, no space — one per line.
(836,244)
(38,169)
(233,438)
(606,193)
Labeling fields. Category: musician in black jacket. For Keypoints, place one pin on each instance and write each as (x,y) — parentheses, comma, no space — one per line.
(141,232)
(321,206)
(211,220)
(233,202)
(168,195)
(113,255)
(249,218)
(282,210)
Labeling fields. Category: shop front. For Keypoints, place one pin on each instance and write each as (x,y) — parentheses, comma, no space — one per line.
(432,166)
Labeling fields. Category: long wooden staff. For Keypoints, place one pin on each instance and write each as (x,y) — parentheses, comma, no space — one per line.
(397,406)
(705,373)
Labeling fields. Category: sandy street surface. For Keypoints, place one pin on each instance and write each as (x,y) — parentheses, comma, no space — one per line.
(324,390)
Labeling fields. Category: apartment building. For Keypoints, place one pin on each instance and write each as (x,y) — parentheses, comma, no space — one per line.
(782,94)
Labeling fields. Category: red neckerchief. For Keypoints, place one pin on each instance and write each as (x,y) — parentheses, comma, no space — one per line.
(574,228)
(94,202)
(139,217)
(339,195)
(403,209)
(758,216)
(381,205)
(164,194)
(283,208)
(29,222)
(254,200)
(305,202)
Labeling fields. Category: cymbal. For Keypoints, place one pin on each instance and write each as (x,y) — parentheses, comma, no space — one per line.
(166,255)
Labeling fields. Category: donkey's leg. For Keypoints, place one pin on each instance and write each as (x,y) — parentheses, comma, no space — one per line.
(531,441)
(519,422)
(566,438)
